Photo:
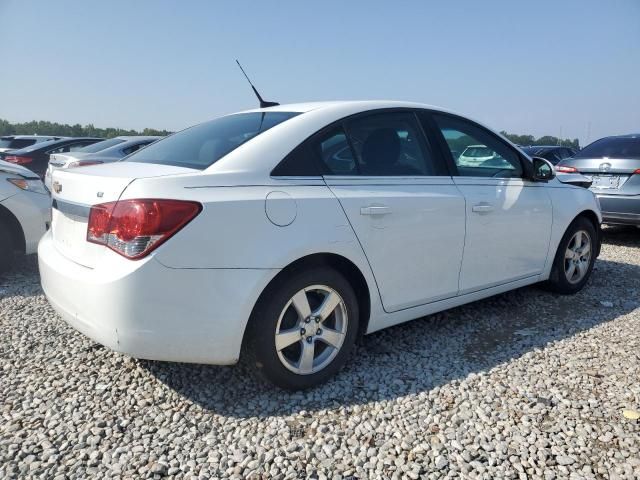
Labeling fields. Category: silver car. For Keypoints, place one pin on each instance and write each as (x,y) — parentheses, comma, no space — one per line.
(107,151)
(613,165)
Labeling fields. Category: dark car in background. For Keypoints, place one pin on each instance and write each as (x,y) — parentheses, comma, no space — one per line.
(552,153)
(613,165)
(16,142)
(36,156)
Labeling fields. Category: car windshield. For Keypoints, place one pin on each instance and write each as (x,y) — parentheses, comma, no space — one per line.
(202,145)
(97,147)
(533,150)
(612,147)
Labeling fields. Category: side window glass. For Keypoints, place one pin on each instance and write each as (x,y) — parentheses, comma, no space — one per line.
(476,152)
(76,146)
(335,153)
(390,144)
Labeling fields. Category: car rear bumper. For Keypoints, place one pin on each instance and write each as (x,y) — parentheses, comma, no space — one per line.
(622,209)
(146,310)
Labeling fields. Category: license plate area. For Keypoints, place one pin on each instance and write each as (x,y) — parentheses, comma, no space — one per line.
(607,182)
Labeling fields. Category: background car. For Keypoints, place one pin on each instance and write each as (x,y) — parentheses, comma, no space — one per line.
(237,234)
(552,153)
(474,155)
(16,142)
(36,157)
(25,208)
(613,164)
(106,151)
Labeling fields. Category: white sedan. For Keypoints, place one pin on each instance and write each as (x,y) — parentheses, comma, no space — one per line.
(25,207)
(286,232)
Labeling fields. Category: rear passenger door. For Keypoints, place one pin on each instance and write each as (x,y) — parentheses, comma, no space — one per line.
(509,217)
(405,209)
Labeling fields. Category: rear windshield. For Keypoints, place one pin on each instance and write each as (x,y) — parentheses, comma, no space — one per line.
(16,143)
(97,147)
(201,146)
(612,147)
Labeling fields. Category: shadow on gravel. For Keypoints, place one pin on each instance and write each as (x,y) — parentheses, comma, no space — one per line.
(421,355)
(23,279)
(623,236)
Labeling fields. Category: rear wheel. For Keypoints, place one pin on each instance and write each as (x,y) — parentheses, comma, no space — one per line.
(7,248)
(575,257)
(304,327)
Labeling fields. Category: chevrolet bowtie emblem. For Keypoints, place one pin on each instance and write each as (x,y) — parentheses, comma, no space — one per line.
(57,187)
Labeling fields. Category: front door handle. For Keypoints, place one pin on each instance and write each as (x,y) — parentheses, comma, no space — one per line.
(375,210)
(482,208)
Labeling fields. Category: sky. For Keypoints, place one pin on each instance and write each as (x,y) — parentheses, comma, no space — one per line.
(542,67)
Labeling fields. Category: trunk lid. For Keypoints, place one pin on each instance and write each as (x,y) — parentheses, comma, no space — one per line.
(608,175)
(74,191)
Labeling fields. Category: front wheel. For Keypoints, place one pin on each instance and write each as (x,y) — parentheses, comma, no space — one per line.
(574,259)
(304,328)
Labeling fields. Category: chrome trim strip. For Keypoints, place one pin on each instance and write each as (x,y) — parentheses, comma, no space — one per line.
(70,208)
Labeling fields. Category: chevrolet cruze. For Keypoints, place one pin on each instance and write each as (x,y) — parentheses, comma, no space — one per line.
(284,233)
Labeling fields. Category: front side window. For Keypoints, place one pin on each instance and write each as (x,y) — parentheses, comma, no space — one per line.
(201,146)
(476,152)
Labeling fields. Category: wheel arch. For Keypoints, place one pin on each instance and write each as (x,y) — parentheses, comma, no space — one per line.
(593,218)
(341,264)
(15,229)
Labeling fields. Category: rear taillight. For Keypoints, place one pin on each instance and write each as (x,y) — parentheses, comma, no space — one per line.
(565,169)
(134,228)
(636,172)
(84,163)
(18,159)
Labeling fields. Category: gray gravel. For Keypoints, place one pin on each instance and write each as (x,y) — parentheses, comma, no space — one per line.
(523,385)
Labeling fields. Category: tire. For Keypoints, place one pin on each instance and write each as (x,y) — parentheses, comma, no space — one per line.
(7,249)
(325,340)
(567,280)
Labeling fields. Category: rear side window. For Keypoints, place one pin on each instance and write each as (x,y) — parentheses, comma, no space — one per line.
(134,148)
(99,146)
(201,146)
(612,147)
(390,144)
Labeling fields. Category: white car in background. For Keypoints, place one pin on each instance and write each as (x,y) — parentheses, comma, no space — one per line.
(106,151)
(25,207)
(240,234)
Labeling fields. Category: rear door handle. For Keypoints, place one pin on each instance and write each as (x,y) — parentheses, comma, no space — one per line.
(375,210)
(482,208)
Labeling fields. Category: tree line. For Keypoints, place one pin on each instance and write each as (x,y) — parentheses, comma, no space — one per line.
(41,127)
(545,140)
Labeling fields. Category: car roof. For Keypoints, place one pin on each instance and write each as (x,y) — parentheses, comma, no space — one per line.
(50,143)
(356,105)
(136,137)
(31,136)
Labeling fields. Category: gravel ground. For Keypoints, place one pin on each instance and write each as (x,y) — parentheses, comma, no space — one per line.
(522,385)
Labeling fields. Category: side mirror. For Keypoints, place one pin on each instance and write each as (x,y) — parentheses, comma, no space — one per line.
(543,170)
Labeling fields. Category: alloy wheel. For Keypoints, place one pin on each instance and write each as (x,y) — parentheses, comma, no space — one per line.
(311,329)
(577,257)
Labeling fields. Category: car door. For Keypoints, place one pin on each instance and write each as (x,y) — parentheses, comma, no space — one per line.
(404,207)
(508,217)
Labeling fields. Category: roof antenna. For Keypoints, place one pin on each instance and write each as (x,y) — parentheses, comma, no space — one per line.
(263,103)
